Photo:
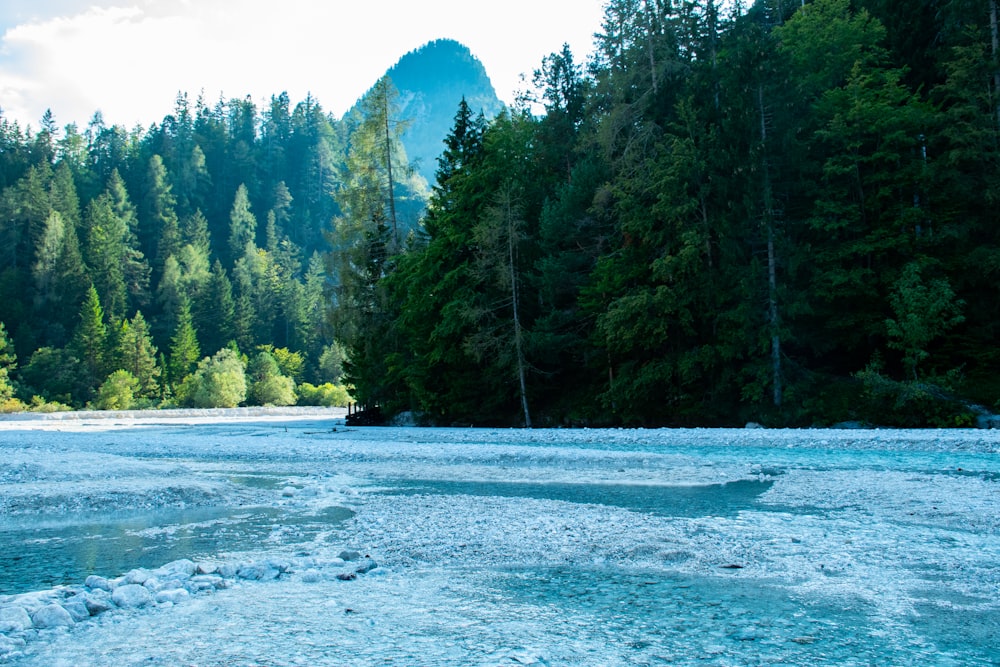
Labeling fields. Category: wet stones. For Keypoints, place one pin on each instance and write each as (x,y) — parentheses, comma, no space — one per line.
(51,616)
(23,616)
(14,619)
(132,596)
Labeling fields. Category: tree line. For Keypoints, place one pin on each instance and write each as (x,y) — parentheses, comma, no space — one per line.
(137,265)
(783,213)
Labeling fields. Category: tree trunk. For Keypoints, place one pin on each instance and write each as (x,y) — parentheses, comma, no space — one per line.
(388,165)
(518,332)
(995,43)
(772,260)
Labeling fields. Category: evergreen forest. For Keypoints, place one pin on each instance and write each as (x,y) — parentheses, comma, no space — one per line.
(782,212)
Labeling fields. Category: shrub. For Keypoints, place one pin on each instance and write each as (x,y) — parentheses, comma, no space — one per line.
(327,395)
(118,391)
(267,385)
(12,405)
(218,382)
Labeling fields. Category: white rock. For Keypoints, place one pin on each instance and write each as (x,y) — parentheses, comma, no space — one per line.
(257,572)
(204,582)
(10,644)
(227,570)
(137,576)
(288,491)
(206,568)
(173,596)
(97,601)
(130,596)
(51,616)
(77,608)
(97,583)
(178,569)
(14,619)
(311,576)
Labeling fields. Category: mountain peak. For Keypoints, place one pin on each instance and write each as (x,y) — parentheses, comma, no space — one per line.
(432,80)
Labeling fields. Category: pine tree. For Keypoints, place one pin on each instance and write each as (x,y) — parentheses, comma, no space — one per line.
(90,340)
(137,355)
(8,363)
(242,224)
(184,349)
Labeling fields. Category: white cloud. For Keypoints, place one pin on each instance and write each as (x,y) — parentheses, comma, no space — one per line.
(130,61)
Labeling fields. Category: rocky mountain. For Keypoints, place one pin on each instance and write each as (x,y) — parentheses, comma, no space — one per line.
(432,81)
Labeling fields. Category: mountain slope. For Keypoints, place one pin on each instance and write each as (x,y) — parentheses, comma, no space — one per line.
(432,81)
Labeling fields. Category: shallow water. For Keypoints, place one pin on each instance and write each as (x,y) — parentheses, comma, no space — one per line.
(683,501)
(65,550)
(544,547)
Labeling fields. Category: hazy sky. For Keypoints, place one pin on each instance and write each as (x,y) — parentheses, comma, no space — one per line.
(129,58)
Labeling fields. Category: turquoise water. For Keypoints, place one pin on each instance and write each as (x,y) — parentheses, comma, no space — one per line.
(42,553)
(683,501)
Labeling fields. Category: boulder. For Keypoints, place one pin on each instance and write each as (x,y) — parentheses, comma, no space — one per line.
(97,601)
(131,596)
(173,596)
(178,569)
(95,582)
(77,608)
(257,572)
(137,576)
(52,616)
(14,618)
(366,566)
(204,582)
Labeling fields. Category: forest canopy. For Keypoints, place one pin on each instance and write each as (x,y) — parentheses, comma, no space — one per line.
(783,212)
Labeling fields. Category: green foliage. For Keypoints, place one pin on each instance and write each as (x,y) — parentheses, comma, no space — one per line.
(56,375)
(8,363)
(924,311)
(184,348)
(722,218)
(267,385)
(118,392)
(327,395)
(911,404)
(218,382)
(331,363)
(137,355)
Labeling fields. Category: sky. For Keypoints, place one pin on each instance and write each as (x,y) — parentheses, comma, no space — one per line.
(129,59)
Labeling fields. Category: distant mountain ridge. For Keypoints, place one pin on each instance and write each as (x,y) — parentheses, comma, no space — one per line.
(432,80)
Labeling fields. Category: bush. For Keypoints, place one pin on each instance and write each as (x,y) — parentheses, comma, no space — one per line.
(218,382)
(911,404)
(327,395)
(117,392)
(39,404)
(267,384)
(12,405)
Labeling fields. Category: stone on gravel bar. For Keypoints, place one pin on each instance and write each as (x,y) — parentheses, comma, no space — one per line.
(173,596)
(130,596)
(14,618)
(178,569)
(77,608)
(95,582)
(52,616)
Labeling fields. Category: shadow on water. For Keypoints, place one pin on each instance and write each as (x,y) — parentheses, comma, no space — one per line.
(682,501)
(39,554)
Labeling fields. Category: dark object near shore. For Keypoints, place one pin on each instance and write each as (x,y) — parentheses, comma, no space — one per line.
(365,417)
